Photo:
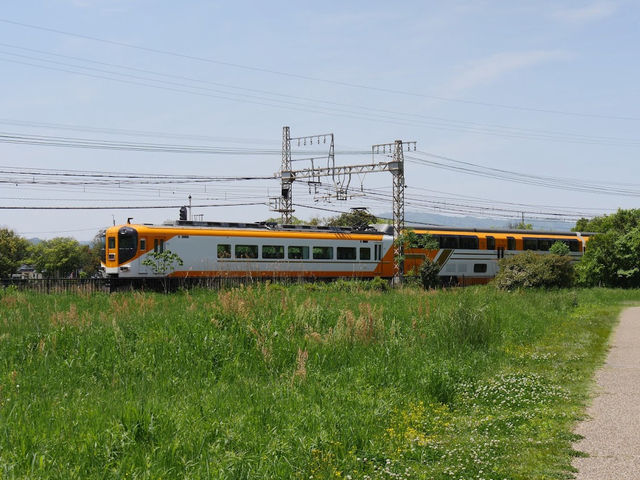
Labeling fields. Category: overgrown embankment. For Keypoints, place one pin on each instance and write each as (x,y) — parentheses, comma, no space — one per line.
(327,381)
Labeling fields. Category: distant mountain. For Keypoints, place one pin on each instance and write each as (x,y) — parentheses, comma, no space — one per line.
(475,222)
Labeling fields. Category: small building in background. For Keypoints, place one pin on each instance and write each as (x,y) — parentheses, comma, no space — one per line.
(27,272)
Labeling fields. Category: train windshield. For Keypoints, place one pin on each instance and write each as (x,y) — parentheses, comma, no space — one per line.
(127,244)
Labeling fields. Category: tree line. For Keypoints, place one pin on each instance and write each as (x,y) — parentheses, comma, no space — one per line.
(58,257)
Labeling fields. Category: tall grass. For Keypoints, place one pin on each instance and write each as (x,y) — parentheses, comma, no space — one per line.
(297,382)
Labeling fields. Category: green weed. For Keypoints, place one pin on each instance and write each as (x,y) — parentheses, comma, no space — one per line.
(325,381)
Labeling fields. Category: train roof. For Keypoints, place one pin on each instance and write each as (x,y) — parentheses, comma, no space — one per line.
(384,229)
(267,226)
(437,228)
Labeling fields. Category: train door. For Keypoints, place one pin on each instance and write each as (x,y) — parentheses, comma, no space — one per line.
(499,245)
(377,252)
(143,269)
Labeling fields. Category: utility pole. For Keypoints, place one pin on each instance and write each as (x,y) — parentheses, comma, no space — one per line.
(341,177)
(284,203)
(286,180)
(396,167)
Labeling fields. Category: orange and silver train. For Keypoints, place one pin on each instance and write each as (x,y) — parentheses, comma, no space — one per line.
(267,250)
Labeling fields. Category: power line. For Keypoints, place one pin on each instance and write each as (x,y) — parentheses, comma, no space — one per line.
(136,133)
(566,184)
(71,142)
(473,127)
(127,207)
(318,79)
(360,112)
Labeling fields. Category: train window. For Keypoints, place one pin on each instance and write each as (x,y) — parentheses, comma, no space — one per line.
(530,244)
(143,244)
(468,242)
(298,253)
(224,251)
(545,244)
(323,253)
(378,252)
(491,243)
(479,268)
(246,251)
(112,242)
(347,253)
(272,251)
(511,243)
(158,245)
(365,253)
(448,241)
(574,245)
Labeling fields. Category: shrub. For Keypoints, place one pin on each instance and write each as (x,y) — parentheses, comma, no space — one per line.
(429,274)
(530,269)
(559,248)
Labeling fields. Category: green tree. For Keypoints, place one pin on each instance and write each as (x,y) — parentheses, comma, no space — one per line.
(429,271)
(410,239)
(58,257)
(358,219)
(622,220)
(612,258)
(520,226)
(93,255)
(162,263)
(294,220)
(13,251)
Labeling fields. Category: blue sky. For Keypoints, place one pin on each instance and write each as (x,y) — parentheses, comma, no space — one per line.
(539,87)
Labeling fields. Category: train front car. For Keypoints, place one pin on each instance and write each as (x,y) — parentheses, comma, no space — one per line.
(210,249)
(121,248)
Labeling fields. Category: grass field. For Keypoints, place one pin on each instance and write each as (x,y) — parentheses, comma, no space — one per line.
(306,381)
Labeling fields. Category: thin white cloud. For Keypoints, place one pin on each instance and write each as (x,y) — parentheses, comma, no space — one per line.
(586,14)
(487,70)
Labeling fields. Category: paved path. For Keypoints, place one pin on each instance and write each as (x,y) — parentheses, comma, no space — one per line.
(612,431)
